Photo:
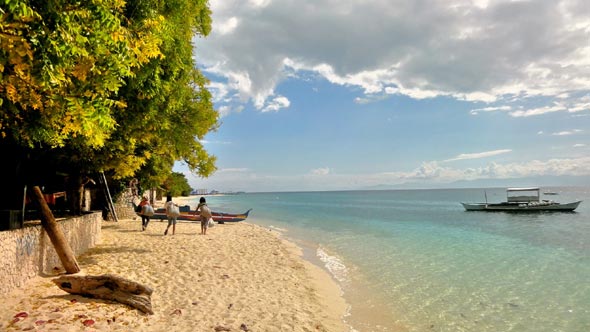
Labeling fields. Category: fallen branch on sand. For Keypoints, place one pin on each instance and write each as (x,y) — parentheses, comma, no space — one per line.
(108,287)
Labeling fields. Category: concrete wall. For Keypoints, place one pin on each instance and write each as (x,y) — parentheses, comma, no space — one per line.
(28,252)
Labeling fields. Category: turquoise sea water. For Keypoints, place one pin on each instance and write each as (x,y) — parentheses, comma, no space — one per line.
(414,260)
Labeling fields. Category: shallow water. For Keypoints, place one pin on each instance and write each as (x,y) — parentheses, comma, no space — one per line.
(414,260)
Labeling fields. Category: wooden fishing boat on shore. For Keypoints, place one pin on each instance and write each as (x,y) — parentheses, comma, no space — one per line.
(188,215)
(523,200)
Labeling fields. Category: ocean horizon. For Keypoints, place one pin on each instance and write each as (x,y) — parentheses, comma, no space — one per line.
(415,260)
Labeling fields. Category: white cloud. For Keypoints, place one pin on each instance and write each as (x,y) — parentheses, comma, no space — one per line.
(428,173)
(213,142)
(538,111)
(419,49)
(579,145)
(276,104)
(567,132)
(228,26)
(259,3)
(491,109)
(479,155)
(232,170)
(320,171)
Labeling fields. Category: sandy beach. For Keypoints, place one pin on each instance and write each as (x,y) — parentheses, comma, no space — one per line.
(238,277)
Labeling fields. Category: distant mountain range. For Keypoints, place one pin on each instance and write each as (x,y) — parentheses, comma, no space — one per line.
(541,181)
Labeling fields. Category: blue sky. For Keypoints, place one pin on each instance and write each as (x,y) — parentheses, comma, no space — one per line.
(338,95)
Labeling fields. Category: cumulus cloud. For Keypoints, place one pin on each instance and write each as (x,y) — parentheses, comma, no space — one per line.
(431,173)
(276,104)
(320,171)
(480,50)
(436,173)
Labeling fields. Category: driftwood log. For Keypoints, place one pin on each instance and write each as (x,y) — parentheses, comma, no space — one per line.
(56,235)
(108,287)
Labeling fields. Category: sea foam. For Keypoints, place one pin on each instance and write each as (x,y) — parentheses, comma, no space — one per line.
(334,265)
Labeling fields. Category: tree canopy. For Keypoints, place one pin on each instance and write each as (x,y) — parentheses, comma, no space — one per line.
(104,85)
(177,185)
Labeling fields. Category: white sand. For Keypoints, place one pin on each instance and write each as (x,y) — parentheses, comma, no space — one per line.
(238,276)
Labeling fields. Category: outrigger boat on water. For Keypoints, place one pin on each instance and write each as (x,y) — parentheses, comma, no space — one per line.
(522,200)
(188,215)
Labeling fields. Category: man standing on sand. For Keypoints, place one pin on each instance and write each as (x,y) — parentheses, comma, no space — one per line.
(205,215)
(172,213)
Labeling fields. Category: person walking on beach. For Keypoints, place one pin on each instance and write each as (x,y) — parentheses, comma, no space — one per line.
(205,215)
(146,212)
(172,212)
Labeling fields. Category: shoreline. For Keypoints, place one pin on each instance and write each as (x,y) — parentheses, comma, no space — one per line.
(239,276)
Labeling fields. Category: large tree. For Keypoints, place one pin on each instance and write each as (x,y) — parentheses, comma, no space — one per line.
(102,85)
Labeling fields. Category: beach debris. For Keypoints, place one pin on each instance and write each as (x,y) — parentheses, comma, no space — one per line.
(177,312)
(230,305)
(195,303)
(73,301)
(22,314)
(41,322)
(243,327)
(219,328)
(29,328)
(108,287)
(88,322)
(225,276)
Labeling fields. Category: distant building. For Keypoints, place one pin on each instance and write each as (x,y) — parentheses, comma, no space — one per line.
(200,192)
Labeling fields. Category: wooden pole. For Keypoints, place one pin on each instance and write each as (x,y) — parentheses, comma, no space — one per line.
(61,245)
(109,197)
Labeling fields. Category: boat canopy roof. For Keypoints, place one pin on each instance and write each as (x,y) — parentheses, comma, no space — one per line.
(526,197)
(524,189)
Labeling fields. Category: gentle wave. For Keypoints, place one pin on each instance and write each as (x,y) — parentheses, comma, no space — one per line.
(334,265)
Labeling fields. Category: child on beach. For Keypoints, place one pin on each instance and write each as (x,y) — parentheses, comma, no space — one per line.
(172,212)
(146,212)
(205,215)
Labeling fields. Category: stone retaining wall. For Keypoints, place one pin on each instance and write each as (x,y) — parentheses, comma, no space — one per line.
(28,252)
(124,210)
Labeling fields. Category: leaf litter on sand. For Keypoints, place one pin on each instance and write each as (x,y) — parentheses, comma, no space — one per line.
(22,314)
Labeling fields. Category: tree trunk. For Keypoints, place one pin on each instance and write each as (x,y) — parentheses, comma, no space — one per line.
(62,247)
(75,189)
(109,287)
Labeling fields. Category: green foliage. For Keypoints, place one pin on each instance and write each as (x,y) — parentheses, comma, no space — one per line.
(177,185)
(62,64)
(106,85)
(169,108)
